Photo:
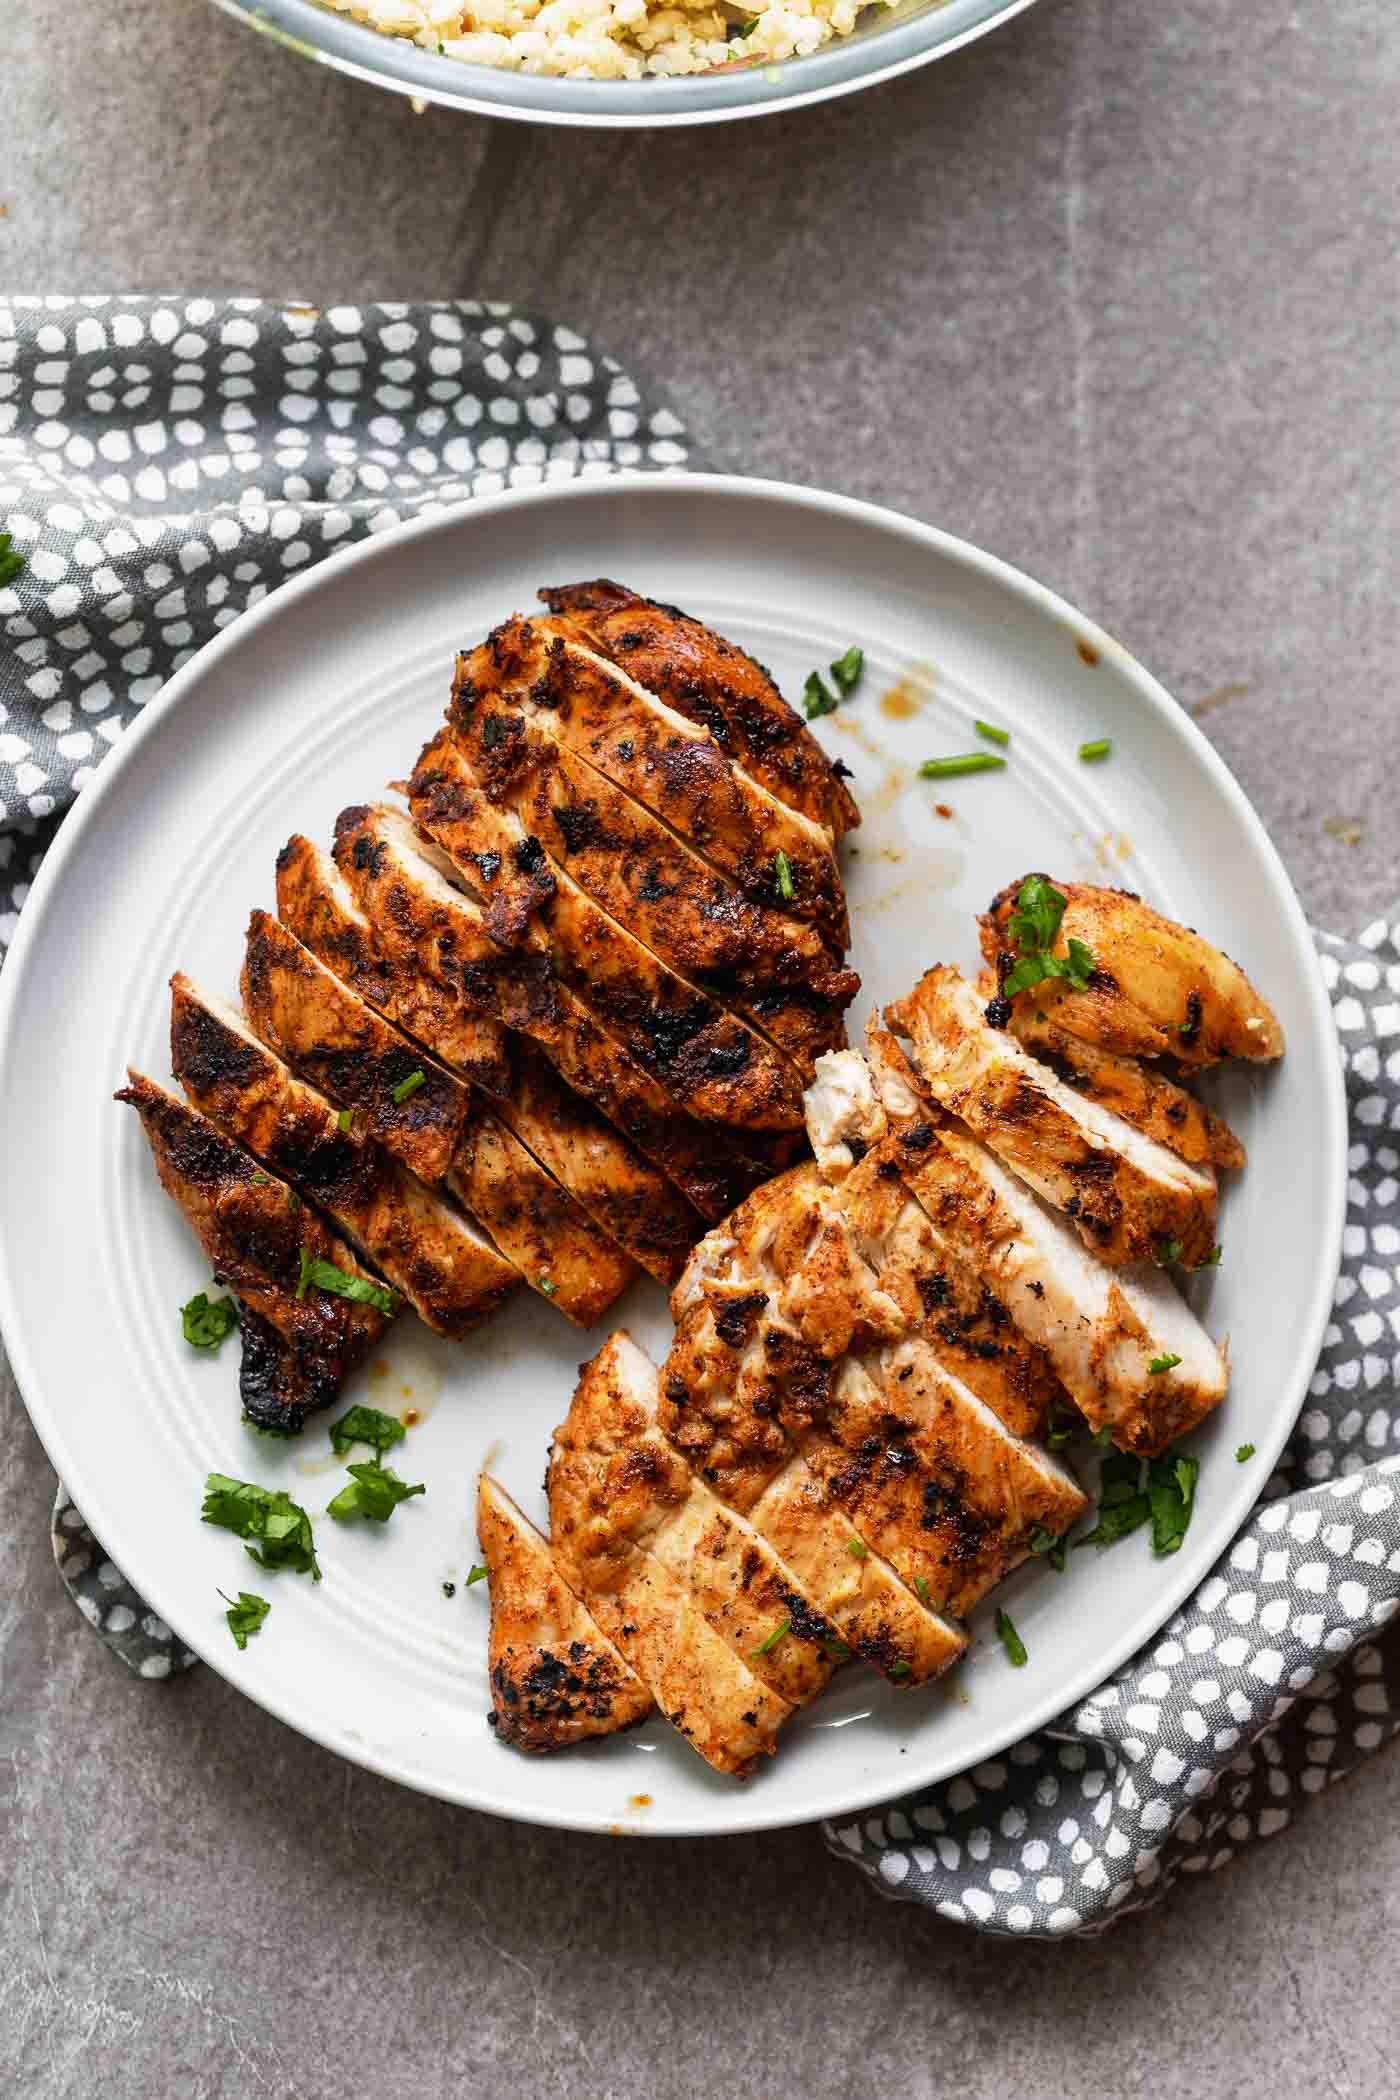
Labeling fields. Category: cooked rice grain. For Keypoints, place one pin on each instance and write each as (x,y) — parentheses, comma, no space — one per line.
(604,39)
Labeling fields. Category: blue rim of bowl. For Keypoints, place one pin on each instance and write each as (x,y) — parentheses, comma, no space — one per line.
(873,54)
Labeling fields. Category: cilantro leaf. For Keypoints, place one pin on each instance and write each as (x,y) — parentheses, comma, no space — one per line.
(858,1549)
(921,1589)
(366,1425)
(1171,1489)
(783,1627)
(847,671)
(327,1276)
(1244,1453)
(1168,1362)
(817,697)
(245,1615)
(1047,1547)
(782,869)
(280,1526)
(408,1087)
(1034,926)
(206,1322)
(1166,1252)
(1011,1641)
(12,563)
(375,1492)
(1124,1506)
(478,1574)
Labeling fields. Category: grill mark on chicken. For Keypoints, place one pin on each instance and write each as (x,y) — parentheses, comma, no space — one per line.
(626,1198)
(556,1679)
(307,1014)
(1126,1193)
(1157,990)
(716,1065)
(453,1278)
(714,683)
(315,903)
(405,888)
(1100,1328)
(543,669)
(297,1352)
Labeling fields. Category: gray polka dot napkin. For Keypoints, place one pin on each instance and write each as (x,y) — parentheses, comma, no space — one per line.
(164,463)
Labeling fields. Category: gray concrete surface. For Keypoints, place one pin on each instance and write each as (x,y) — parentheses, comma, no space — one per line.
(1115,294)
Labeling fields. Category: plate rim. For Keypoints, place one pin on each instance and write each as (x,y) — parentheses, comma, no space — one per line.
(761,1809)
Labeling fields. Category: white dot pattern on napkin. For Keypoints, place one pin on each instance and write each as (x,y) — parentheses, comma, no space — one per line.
(165,463)
(1271,1683)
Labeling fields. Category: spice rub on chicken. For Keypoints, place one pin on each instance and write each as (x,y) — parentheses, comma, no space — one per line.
(300,1341)
(1156,988)
(700,675)
(556,1679)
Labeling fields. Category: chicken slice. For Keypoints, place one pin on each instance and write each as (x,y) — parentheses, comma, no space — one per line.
(933,1479)
(556,1678)
(710,1060)
(610,1182)
(538,670)
(714,683)
(555,1245)
(1157,990)
(1128,1196)
(451,1276)
(707,1691)
(1143,1097)
(725,1379)
(422,916)
(1101,1328)
(307,1015)
(779,970)
(314,901)
(299,1342)
(648,1494)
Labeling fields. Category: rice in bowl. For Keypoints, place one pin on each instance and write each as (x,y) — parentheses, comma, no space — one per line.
(607,39)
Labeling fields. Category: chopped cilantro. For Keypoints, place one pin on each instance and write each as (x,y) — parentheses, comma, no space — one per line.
(898,1669)
(847,671)
(1166,1252)
(858,1549)
(1212,1260)
(817,697)
(245,1615)
(1034,926)
(1099,748)
(328,1277)
(1047,1547)
(782,869)
(1168,1362)
(344,1120)
(1243,1453)
(1123,1503)
(206,1322)
(478,1574)
(366,1425)
(409,1086)
(921,1588)
(992,733)
(280,1526)
(1171,1490)
(375,1492)
(12,563)
(1011,1641)
(783,1627)
(546,1285)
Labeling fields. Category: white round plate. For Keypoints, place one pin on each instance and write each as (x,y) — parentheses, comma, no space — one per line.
(321,696)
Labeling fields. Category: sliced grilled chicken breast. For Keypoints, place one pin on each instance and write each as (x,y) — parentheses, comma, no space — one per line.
(707,1691)
(1101,1328)
(714,1063)
(307,1015)
(423,917)
(556,1678)
(650,1496)
(672,766)
(1158,989)
(779,970)
(1128,1196)
(934,1479)
(554,1244)
(299,1342)
(714,683)
(451,1276)
(625,1197)
(1153,1104)
(315,902)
